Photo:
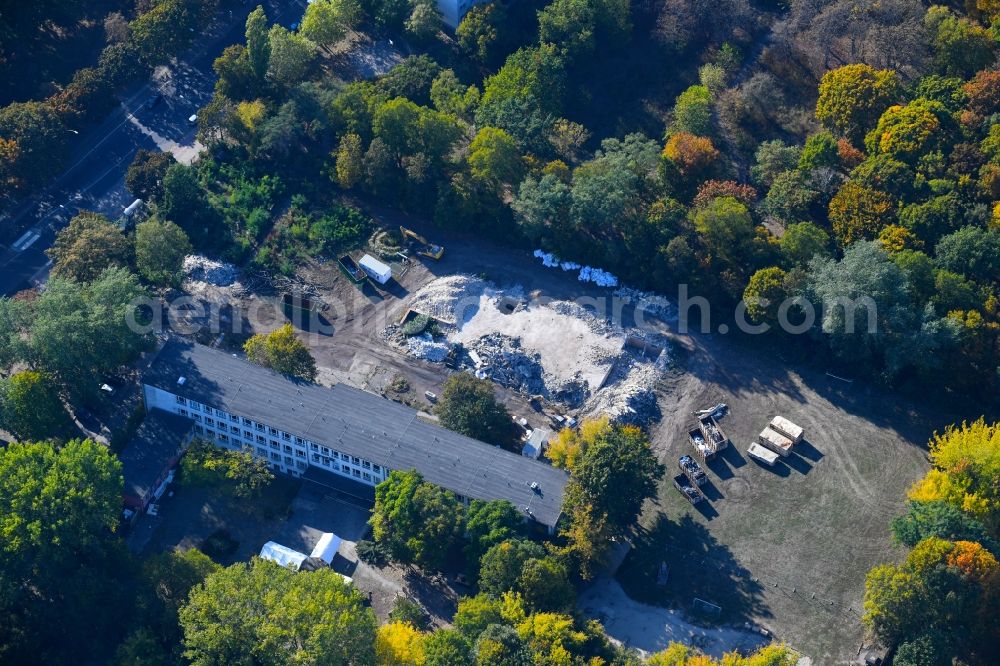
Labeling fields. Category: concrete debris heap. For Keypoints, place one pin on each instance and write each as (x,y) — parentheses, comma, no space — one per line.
(598,276)
(558,350)
(202,269)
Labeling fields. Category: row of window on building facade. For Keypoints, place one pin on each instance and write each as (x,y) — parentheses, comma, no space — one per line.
(226,429)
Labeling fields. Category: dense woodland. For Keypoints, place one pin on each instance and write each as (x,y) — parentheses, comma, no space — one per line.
(754,151)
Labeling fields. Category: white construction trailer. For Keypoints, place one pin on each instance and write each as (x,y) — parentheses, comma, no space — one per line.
(375,269)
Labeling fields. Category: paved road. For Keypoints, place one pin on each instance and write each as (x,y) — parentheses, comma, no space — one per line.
(95,178)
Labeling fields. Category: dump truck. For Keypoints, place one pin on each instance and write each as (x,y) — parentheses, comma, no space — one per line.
(760,454)
(783,426)
(421,245)
(776,442)
(351,269)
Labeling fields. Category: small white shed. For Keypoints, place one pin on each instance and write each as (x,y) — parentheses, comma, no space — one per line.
(326,548)
(283,555)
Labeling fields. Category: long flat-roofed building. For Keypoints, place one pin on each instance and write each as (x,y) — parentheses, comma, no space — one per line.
(307,429)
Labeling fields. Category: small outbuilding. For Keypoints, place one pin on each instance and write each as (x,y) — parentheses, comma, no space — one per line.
(536,443)
(283,555)
(150,457)
(327,547)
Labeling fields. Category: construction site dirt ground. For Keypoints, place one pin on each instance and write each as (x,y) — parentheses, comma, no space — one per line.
(787,548)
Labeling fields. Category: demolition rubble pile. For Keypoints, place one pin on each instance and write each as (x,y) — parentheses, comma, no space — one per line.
(555,349)
(210,278)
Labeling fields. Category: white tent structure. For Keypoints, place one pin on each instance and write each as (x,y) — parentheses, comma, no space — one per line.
(327,546)
(283,555)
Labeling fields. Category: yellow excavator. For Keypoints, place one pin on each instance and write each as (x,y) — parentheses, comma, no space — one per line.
(421,245)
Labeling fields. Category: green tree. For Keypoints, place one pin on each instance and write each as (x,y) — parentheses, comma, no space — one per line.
(919,271)
(569,25)
(349,161)
(451,96)
(961,48)
(773,158)
(87,247)
(207,464)
(258,43)
(247,614)
(726,228)
(326,22)
(819,152)
(478,32)
(488,524)
(476,613)
(494,157)
(852,97)
(425,21)
(447,647)
(499,645)
(160,248)
(291,56)
(802,241)
(545,586)
(75,331)
(469,406)
(58,506)
(972,252)
(615,475)
(237,80)
(417,521)
(540,206)
(765,293)
(164,583)
(534,75)
(281,351)
(791,197)
(693,112)
(40,137)
(186,204)
(30,407)
(871,326)
(502,564)
(144,178)
(941,519)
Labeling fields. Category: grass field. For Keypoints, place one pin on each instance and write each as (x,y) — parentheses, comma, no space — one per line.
(788,547)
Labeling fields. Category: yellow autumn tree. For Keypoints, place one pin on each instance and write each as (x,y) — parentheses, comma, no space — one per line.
(858,212)
(570,444)
(399,644)
(677,654)
(966,471)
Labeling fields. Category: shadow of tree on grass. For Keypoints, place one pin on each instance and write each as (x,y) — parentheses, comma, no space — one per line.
(699,567)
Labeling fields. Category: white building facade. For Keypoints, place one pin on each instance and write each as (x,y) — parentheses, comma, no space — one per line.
(284,451)
(452,11)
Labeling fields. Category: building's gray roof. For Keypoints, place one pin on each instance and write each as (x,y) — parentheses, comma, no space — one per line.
(151,450)
(360,424)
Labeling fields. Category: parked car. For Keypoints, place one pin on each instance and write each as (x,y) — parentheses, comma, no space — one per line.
(690,491)
(692,469)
